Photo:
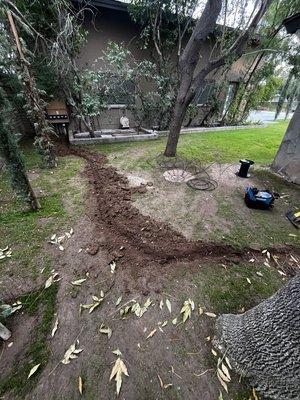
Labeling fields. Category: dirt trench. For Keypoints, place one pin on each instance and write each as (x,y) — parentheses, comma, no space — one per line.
(141,239)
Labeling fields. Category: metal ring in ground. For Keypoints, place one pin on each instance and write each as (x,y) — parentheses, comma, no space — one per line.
(202,183)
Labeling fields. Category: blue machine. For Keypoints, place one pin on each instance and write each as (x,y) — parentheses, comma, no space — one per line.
(259,198)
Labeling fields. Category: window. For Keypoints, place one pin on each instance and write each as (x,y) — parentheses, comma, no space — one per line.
(204,94)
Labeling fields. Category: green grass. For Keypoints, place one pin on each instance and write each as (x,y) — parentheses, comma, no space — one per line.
(259,144)
(25,231)
(61,196)
(42,304)
(227,290)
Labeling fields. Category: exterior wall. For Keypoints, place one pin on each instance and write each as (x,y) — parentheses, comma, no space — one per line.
(116,26)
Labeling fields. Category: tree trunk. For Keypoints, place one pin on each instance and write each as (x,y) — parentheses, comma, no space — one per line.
(187,65)
(190,57)
(35,105)
(287,159)
(263,343)
(283,94)
(13,156)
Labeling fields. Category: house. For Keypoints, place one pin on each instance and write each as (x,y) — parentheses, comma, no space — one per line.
(110,21)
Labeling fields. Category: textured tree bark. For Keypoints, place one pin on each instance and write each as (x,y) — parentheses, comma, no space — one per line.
(287,159)
(263,344)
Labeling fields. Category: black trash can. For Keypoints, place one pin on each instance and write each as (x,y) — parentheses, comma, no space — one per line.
(244,168)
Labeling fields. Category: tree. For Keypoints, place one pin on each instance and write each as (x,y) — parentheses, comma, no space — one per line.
(13,157)
(35,105)
(190,81)
(287,159)
(263,343)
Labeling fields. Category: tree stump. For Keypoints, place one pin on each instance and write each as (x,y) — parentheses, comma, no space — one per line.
(263,344)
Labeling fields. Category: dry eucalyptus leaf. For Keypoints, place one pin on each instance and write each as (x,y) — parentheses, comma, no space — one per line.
(151,334)
(71,354)
(105,330)
(210,314)
(222,382)
(80,385)
(54,327)
(33,370)
(112,266)
(117,352)
(161,304)
(118,301)
(200,310)
(214,352)
(174,321)
(225,370)
(259,273)
(164,323)
(78,282)
(118,369)
(169,306)
(228,362)
(248,280)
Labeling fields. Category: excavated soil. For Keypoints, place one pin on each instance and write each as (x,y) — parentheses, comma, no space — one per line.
(142,240)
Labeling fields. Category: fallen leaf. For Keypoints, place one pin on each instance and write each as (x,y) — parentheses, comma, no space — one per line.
(78,282)
(55,326)
(210,314)
(214,352)
(169,306)
(174,321)
(255,397)
(281,272)
(118,301)
(259,273)
(70,354)
(151,333)
(228,362)
(105,330)
(222,382)
(225,370)
(161,304)
(33,370)
(112,265)
(49,282)
(168,385)
(248,280)
(186,310)
(80,385)
(251,260)
(200,310)
(160,381)
(118,369)
(117,352)
(164,323)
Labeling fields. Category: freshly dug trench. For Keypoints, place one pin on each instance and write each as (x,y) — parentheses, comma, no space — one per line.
(263,344)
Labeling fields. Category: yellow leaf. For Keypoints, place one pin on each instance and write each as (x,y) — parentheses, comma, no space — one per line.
(33,370)
(80,385)
(118,369)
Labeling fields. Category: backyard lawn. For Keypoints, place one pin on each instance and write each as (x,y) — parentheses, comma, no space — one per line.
(259,144)
(165,358)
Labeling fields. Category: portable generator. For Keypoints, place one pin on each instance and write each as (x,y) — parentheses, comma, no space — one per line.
(259,198)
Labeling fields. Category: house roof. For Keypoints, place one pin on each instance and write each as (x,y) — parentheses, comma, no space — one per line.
(111,4)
